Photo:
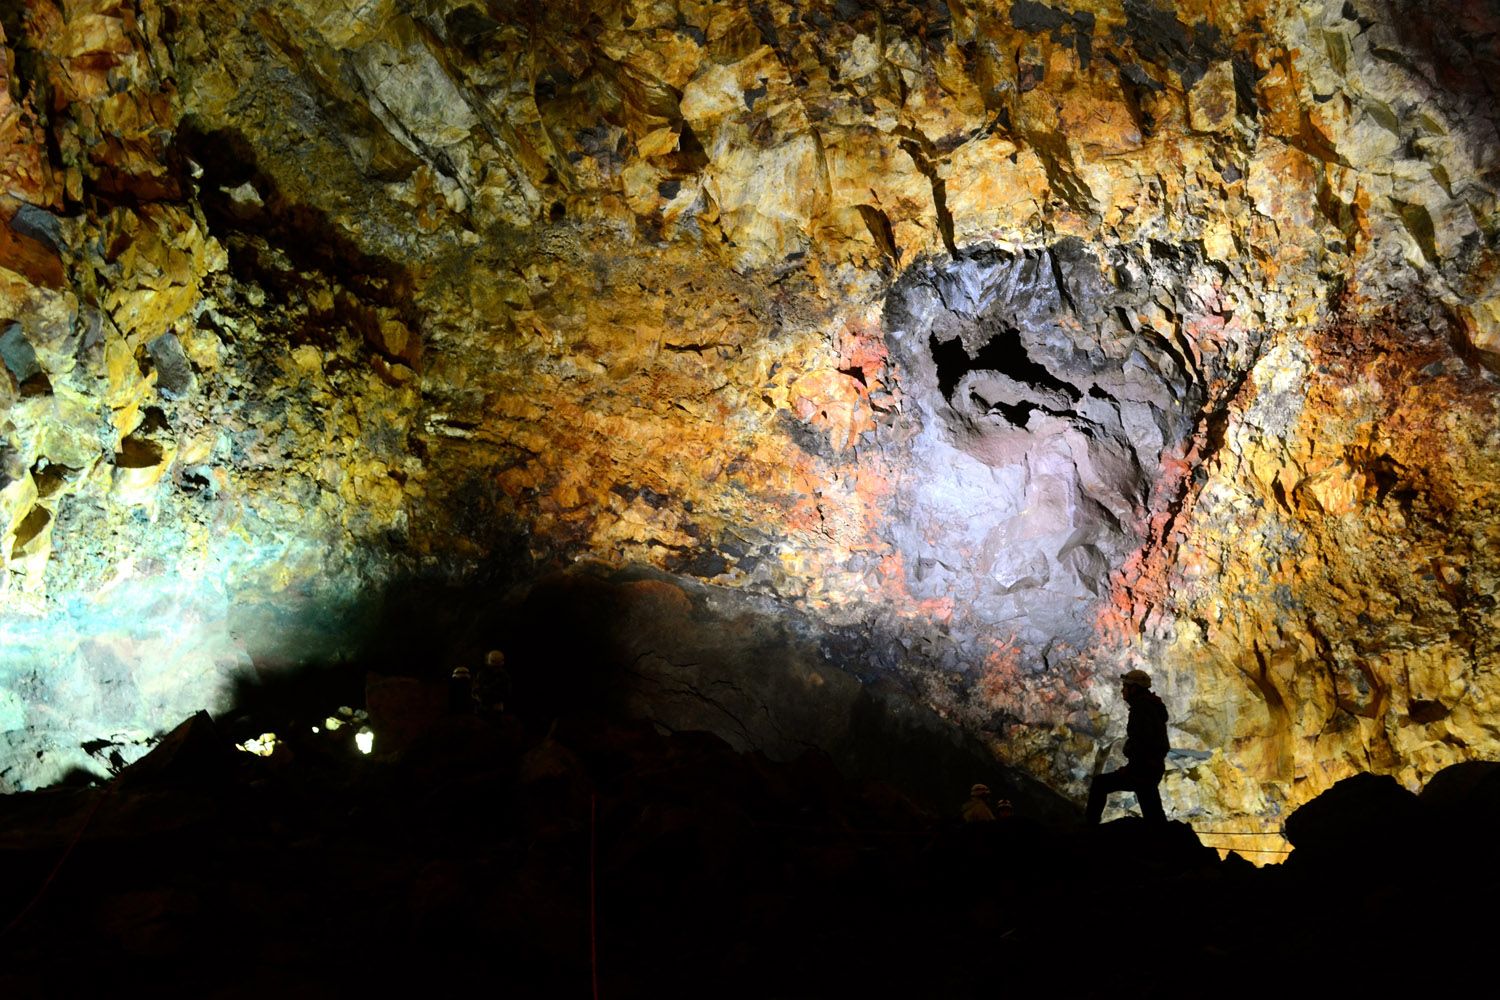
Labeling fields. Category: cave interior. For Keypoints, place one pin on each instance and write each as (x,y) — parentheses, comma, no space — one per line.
(585,497)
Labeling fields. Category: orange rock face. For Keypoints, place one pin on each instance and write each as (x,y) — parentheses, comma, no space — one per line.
(1015,344)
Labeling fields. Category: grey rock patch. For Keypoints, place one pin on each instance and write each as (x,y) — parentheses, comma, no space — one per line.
(18,354)
(1047,389)
(174,376)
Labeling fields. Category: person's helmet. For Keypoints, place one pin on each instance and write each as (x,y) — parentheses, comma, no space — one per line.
(1004,808)
(460,673)
(494,658)
(1139,678)
(979,790)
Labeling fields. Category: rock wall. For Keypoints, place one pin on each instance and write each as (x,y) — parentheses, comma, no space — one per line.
(1014,344)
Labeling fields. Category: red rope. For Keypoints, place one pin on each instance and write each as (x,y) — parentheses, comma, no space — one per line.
(593,894)
(52,875)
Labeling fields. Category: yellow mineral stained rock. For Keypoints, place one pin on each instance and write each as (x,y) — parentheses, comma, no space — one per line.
(1482,324)
(128,390)
(1212,102)
(346,23)
(762,196)
(17,500)
(64,426)
(23,161)
(161,255)
(993,190)
(139,465)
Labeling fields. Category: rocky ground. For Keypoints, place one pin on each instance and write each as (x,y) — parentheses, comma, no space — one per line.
(549,858)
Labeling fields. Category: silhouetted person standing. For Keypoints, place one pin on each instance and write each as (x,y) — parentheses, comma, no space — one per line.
(977,809)
(492,686)
(460,691)
(1145,752)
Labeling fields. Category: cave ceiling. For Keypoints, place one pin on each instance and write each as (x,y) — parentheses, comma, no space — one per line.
(1004,345)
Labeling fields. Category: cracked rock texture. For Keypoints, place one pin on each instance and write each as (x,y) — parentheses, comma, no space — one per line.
(1003,346)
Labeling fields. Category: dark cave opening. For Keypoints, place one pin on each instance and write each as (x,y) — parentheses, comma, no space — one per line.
(953,363)
(1018,414)
(1004,352)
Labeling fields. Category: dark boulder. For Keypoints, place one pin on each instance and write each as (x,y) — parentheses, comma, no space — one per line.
(1358,820)
(194,752)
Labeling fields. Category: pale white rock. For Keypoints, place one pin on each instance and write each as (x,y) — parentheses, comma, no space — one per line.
(421,104)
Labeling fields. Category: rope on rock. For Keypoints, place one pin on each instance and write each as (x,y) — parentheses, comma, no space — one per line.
(593,893)
(1244,833)
(1239,833)
(52,875)
(842,831)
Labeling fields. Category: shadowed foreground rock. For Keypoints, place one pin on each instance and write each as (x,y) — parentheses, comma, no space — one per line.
(472,858)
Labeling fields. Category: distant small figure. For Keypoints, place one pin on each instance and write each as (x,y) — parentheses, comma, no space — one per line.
(460,691)
(1004,809)
(977,809)
(1145,752)
(492,685)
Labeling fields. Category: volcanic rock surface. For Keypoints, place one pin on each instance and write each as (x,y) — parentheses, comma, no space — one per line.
(984,349)
(1037,460)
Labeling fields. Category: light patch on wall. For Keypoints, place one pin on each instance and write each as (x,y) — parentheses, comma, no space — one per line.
(154,640)
(263,745)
